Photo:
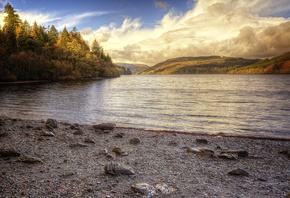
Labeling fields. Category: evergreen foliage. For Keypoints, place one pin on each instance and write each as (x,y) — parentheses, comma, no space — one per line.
(39,53)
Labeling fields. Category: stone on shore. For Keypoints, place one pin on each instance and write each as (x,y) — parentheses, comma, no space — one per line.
(3,134)
(240,153)
(135,140)
(239,172)
(8,152)
(119,169)
(89,140)
(51,123)
(78,132)
(120,151)
(202,141)
(105,126)
(29,159)
(227,156)
(77,145)
(144,189)
(46,133)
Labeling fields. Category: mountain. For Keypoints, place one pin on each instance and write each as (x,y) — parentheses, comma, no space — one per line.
(135,68)
(222,65)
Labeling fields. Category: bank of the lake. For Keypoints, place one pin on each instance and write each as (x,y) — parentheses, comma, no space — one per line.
(68,161)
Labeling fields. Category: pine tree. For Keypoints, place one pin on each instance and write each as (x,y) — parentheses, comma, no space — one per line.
(12,20)
(96,49)
(64,37)
(52,35)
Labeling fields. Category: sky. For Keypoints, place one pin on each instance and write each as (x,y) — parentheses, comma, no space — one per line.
(152,31)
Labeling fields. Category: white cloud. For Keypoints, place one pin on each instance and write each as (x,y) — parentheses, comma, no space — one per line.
(212,27)
(72,20)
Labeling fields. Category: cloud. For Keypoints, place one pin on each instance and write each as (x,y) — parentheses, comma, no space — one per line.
(72,20)
(162,5)
(212,27)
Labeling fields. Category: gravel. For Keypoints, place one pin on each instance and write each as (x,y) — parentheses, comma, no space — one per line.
(74,171)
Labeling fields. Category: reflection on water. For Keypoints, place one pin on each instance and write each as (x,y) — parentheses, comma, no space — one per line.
(245,104)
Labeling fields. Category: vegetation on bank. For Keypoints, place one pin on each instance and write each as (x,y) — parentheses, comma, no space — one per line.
(134,68)
(39,53)
(222,65)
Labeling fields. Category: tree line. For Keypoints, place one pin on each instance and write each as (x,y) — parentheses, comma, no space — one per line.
(42,53)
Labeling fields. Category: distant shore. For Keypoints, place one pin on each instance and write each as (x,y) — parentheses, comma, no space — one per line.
(69,161)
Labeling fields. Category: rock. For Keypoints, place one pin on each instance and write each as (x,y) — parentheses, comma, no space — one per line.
(239,172)
(163,188)
(227,156)
(283,151)
(78,132)
(29,126)
(193,150)
(144,189)
(172,143)
(51,123)
(111,155)
(89,140)
(204,152)
(3,134)
(105,126)
(103,152)
(46,133)
(67,174)
(202,141)
(75,145)
(120,151)
(135,141)
(240,153)
(119,135)
(8,152)
(29,159)
(119,169)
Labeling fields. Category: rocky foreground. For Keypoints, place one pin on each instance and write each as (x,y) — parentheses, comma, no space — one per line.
(54,159)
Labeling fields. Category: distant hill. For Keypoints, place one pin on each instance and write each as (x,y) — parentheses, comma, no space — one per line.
(135,68)
(222,65)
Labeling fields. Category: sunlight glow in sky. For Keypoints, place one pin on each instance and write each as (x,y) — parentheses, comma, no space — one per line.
(151,31)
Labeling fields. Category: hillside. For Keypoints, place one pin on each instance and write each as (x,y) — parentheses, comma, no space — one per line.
(221,65)
(135,68)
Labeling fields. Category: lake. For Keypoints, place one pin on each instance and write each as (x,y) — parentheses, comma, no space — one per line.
(235,104)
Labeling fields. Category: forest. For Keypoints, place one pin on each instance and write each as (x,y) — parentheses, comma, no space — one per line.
(42,53)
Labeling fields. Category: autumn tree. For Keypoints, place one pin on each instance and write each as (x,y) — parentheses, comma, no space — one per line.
(52,35)
(11,20)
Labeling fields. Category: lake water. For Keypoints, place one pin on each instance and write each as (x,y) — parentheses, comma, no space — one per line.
(235,104)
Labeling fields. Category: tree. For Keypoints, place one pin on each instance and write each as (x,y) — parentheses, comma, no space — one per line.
(12,20)
(52,35)
(96,49)
(64,37)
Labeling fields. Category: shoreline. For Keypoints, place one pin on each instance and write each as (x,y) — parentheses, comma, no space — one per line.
(70,161)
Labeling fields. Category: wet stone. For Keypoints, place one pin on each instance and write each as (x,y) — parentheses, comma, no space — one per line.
(144,189)
(227,156)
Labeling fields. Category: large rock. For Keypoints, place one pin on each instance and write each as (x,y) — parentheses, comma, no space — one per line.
(201,152)
(105,126)
(51,123)
(227,156)
(119,169)
(8,152)
(120,151)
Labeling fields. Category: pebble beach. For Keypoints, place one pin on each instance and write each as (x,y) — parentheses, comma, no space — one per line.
(49,158)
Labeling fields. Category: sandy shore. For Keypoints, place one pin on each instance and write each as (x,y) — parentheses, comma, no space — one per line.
(41,161)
